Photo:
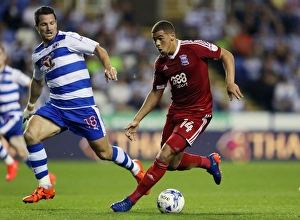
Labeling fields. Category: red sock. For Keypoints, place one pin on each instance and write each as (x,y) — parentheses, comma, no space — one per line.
(152,176)
(190,161)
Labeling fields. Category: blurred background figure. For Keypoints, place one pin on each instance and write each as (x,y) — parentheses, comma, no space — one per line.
(11,119)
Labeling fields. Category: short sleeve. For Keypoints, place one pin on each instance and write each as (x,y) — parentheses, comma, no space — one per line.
(37,73)
(80,44)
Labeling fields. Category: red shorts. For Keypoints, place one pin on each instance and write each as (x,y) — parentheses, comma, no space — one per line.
(181,131)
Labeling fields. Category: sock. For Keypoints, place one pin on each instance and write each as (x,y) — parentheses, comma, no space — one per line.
(27,161)
(45,182)
(189,161)
(5,156)
(38,160)
(152,176)
(121,158)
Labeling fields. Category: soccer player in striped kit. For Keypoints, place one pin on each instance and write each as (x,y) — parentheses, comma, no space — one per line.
(11,132)
(183,64)
(59,60)
(11,115)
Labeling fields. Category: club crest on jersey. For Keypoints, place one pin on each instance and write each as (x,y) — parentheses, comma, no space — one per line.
(47,62)
(184,60)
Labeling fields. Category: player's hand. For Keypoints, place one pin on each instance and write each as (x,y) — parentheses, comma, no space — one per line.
(234,90)
(111,74)
(131,130)
(27,114)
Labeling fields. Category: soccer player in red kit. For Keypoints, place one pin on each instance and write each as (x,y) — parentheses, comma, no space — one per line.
(183,64)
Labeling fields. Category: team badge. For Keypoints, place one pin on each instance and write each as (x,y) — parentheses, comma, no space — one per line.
(47,61)
(184,60)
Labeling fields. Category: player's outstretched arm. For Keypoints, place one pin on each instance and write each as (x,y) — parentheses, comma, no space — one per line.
(234,90)
(110,72)
(131,130)
(229,68)
(150,102)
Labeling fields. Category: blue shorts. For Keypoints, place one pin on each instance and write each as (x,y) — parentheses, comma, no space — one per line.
(11,125)
(85,122)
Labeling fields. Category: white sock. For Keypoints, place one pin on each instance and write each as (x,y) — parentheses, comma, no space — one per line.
(4,155)
(45,182)
(135,170)
(9,160)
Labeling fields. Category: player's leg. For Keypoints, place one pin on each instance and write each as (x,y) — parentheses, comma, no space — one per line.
(8,125)
(98,141)
(38,129)
(88,123)
(11,163)
(34,134)
(19,144)
(187,161)
(105,151)
(152,176)
(4,155)
(173,146)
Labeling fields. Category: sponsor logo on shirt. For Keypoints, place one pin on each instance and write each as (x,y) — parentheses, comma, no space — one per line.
(179,80)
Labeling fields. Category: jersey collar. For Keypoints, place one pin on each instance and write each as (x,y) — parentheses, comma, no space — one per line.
(176,51)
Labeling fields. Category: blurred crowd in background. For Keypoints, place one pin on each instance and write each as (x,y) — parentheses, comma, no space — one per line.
(263,35)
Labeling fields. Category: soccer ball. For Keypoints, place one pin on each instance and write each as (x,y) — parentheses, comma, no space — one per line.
(170,200)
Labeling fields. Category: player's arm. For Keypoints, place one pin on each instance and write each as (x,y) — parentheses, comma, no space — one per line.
(35,90)
(110,72)
(150,102)
(228,64)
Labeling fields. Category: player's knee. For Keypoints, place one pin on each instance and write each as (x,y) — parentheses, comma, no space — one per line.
(102,148)
(103,154)
(166,154)
(173,164)
(30,137)
(171,167)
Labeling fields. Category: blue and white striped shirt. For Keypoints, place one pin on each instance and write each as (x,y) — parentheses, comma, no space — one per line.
(63,65)
(10,79)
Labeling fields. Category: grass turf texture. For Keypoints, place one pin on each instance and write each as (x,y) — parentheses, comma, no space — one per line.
(85,190)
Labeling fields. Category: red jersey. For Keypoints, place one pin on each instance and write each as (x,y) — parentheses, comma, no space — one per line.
(187,72)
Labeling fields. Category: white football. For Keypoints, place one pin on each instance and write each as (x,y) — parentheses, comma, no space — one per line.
(170,200)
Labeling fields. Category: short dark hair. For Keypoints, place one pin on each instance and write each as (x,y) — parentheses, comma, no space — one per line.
(163,26)
(43,10)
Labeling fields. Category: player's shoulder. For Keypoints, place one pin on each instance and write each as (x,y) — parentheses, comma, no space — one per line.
(38,49)
(12,70)
(198,44)
(72,35)
(192,43)
(8,69)
(159,60)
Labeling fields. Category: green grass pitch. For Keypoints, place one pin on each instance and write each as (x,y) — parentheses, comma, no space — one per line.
(85,190)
